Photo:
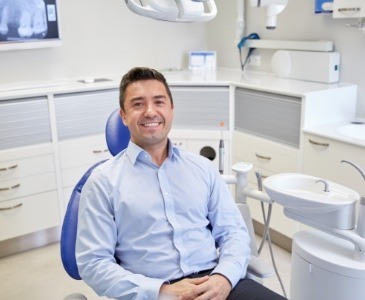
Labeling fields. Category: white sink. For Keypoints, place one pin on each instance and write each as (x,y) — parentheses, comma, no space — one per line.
(304,197)
(356,131)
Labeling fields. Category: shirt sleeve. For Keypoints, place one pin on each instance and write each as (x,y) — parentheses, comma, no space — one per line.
(229,231)
(95,247)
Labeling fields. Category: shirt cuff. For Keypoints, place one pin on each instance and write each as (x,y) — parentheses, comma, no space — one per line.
(150,288)
(230,270)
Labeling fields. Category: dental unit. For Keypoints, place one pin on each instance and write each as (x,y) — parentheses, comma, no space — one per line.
(329,262)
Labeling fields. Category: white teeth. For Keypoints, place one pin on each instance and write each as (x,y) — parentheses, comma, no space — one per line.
(150,124)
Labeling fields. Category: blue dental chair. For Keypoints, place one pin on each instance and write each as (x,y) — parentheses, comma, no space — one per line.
(117,138)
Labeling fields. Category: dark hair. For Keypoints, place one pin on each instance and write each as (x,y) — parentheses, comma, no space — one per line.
(137,74)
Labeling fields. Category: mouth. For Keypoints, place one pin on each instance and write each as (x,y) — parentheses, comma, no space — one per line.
(151,124)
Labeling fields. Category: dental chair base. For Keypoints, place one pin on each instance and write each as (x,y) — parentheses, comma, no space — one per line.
(324,267)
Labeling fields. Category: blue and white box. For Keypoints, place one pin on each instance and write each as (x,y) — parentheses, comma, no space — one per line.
(202,60)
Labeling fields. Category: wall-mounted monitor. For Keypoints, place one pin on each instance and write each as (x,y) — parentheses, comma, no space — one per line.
(29,24)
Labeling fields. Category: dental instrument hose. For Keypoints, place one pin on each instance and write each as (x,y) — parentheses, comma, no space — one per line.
(266,233)
(252,36)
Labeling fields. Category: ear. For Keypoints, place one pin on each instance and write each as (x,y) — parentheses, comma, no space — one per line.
(123,116)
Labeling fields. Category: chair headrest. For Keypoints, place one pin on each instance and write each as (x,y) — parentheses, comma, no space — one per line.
(116,133)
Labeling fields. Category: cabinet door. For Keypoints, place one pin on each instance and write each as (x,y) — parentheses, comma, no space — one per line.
(201,108)
(24,122)
(322,157)
(84,114)
(271,116)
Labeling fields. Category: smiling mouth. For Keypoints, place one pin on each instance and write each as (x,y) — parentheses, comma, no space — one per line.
(152,124)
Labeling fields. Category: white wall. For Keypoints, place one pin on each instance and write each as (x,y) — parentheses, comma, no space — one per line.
(101,38)
(296,22)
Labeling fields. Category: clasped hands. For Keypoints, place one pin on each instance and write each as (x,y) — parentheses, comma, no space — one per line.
(214,287)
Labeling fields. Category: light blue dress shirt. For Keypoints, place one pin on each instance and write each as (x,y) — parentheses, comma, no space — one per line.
(141,225)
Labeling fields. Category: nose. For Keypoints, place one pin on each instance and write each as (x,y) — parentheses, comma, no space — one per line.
(150,110)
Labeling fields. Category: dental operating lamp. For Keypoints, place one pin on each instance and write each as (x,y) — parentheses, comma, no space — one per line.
(174,10)
(197,10)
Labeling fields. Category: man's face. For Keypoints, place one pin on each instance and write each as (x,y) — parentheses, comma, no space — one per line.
(148,113)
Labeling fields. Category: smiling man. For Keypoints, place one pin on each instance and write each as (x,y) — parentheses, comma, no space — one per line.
(151,219)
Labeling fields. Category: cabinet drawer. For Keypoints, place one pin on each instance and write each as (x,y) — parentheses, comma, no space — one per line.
(21,187)
(25,215)
(80,152)
(265,154)
(24,167)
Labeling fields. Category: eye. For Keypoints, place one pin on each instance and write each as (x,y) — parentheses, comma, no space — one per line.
(160,102)
(137,104)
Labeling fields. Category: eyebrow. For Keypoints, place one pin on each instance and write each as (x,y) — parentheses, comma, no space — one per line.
(139,98)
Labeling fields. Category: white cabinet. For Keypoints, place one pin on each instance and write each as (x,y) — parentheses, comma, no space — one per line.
(267,134)
(322,157)
(28,186)
(28,191)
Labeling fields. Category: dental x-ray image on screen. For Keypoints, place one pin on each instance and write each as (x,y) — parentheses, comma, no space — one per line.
(28,21)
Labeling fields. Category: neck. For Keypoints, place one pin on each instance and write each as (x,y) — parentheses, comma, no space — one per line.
(158,153)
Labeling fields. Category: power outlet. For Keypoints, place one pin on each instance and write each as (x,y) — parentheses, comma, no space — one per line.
(255,60)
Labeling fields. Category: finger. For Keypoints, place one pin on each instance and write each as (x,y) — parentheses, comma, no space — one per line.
(198,280)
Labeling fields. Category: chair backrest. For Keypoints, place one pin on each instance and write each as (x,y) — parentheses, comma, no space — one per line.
(116,133)
(117,138)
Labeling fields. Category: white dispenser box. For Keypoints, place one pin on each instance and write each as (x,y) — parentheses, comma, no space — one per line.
(202,60)
(348,8)
(314,66)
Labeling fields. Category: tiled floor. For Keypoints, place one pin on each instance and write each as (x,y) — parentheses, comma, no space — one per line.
(38,275)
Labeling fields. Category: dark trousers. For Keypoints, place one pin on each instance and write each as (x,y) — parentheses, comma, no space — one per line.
(245,289)
(249,289)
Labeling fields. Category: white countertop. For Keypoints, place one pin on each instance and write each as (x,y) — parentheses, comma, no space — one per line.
(331,131)
(221,77)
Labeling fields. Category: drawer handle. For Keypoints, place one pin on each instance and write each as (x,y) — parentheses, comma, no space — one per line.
(8,168)
(11,207)
(100,151)
(318,143)
(10,188)
(262,156)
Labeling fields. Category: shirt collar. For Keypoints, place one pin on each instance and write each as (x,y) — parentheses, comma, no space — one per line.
(135,152)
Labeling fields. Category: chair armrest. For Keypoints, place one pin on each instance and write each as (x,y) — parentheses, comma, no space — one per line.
(259,268)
